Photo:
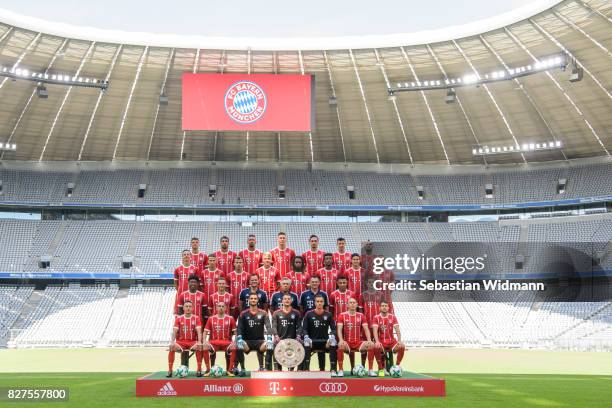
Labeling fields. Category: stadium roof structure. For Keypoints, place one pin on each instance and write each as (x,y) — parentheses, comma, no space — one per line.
(356,121)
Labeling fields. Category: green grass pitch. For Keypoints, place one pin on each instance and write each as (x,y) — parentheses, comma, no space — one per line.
(490,378)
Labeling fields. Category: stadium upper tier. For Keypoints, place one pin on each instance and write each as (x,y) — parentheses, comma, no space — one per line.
(259,186)
(354,119)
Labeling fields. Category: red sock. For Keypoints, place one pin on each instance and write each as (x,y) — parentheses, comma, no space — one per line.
(232,361)
(400,356)
(379,358)
(207,359)
(371,359)
(199,354)
(170,360)
(340,354)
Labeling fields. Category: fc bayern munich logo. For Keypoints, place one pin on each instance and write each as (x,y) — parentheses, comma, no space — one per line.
(245,102)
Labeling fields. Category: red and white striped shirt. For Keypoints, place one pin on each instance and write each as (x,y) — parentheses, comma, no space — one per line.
(217,297)
(342,262)
(299,282)
(252,260)
(352,326)
(209,280)
(200,260)
(225,261)
(268,279)
(197,298)
(221,328)
(339,301)
(313,260)
(385,327)
(354,278)
(182,274)
(328,279)
(370,302)
(237,282)
(282,259)
(187,327)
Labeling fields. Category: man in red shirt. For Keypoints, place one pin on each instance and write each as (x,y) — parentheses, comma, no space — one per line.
(186,335)
(210,276)
(198,299)
(225,257)
(251,256)
(384,342)
(221,295)
(338,299)
(198,258)
(327,274)
(342,258)
(299,278)
(313,257)
(352,327)
(268,276)
(354,274)
(238,280)
(282,256)
(181,276)
(218,337)
(370,301)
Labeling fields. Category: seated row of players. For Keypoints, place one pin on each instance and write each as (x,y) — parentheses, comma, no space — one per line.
(301,283)
(318,331)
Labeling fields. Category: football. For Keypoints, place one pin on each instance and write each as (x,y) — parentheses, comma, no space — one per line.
(182,371)
(216,371)
(359,370)
(395,371)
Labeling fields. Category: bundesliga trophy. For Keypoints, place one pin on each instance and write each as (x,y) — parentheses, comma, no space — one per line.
(289,353)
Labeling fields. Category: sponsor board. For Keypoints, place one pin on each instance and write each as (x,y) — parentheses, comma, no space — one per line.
(290,387)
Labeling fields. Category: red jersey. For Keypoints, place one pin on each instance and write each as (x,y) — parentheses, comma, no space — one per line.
(182,274)
(187,327)
(328,279)
(216,297)
(299,282)
(339,301)
(221,328)
(354,278)
(198,299)
(225,261)
(352,326)
(237,282)
(268,279)
(199,260)
(385,327)
(342,262)
(282,260)
(313,261)
(252,260)
(370,302)
(209,280)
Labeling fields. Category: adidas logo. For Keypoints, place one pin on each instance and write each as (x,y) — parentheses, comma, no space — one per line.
(166,390)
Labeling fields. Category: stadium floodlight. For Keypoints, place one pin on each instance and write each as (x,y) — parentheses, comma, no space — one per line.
(525,147)
(507,73)
(8,147)
(57,79)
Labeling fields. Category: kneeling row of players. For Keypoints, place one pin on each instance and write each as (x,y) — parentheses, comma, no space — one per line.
(317,330)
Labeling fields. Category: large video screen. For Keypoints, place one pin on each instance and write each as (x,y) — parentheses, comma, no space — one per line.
(243,102)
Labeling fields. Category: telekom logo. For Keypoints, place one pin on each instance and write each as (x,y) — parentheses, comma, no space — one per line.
(274,387)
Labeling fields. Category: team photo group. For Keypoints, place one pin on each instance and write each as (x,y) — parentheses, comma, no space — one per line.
(229,304)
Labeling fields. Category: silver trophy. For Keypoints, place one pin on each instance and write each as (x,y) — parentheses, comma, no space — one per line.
(289,353)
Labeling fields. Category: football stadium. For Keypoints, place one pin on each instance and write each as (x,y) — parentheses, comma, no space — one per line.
(421,216)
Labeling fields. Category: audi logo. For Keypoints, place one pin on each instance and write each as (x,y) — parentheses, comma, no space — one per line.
(333,388)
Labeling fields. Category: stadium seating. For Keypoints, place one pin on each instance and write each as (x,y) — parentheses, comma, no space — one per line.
(189,186)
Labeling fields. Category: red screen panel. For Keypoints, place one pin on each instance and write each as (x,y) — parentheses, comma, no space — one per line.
(255,102)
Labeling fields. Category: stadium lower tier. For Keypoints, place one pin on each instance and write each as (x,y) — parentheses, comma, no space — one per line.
(104,316)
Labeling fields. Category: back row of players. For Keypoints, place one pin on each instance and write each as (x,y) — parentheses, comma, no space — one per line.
(317,298)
